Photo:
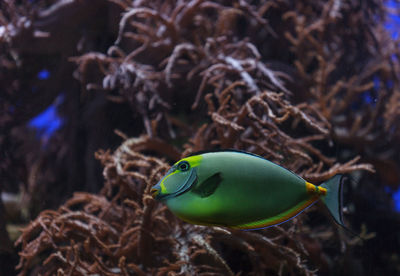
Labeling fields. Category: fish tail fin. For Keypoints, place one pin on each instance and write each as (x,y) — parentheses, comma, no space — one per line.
(333,198)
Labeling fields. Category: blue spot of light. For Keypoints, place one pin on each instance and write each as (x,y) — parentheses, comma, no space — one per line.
(392,23)
(369,99)
(396,199)
(49,121)
(43,74)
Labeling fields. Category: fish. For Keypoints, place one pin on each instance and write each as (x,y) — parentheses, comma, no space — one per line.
(241,190)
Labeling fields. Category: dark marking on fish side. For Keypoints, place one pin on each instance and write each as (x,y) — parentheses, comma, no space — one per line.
(208,186)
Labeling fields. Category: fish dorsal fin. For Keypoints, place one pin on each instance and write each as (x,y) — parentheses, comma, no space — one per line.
(208,186)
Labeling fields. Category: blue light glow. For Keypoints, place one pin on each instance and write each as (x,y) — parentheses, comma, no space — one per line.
(369,99)
(49,121)
(392,23)
(396,199)
(43,74)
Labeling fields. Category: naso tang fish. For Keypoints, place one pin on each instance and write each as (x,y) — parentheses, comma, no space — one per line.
(240,190)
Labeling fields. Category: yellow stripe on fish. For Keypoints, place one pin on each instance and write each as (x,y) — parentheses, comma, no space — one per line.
(313,189)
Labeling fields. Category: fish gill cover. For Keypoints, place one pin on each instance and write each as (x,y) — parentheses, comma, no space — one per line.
(312,86)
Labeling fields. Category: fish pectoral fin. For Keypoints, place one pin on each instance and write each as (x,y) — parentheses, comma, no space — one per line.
(208,186)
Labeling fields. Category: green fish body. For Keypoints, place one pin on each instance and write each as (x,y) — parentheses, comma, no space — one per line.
(240,190)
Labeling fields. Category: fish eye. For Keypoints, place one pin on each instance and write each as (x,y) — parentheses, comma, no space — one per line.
(183,166)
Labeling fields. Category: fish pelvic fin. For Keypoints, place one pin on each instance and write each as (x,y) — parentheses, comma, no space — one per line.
(333,198)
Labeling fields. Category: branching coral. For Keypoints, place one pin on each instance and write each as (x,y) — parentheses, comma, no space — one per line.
(236,75)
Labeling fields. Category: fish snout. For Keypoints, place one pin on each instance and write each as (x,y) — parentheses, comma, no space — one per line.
(154,192)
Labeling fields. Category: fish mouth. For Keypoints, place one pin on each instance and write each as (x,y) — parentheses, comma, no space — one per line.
(154,192)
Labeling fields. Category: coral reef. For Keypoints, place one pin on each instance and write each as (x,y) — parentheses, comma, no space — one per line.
(124,231)
(312,86)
